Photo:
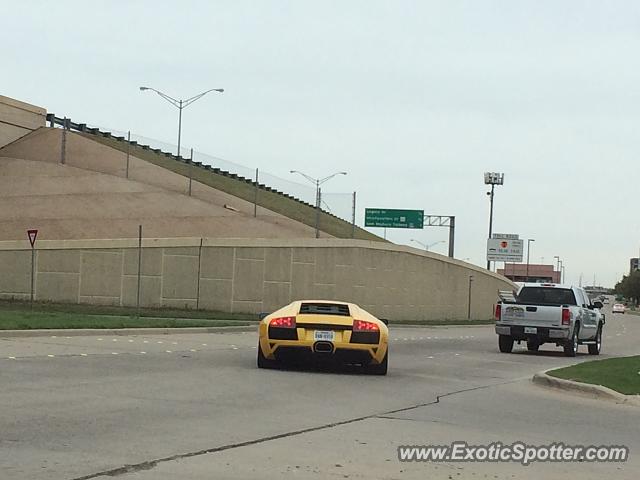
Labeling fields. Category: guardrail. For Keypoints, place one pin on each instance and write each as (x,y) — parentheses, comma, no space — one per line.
(68,124)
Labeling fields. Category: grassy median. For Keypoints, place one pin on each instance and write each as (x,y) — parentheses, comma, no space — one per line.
(21,316)
(619,374)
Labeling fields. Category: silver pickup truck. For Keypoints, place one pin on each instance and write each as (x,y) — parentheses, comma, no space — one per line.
(550,313)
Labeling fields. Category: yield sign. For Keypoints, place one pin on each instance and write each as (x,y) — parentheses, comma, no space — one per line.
(32,234)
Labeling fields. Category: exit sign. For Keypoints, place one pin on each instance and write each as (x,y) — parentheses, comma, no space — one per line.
(393,218)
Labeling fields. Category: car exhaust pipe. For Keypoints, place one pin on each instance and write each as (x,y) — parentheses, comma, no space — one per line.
(323,347)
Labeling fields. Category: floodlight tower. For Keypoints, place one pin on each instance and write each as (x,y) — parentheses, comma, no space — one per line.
(493,179)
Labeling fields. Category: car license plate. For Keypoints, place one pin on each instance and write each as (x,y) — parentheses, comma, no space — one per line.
(324,335)
(530,330)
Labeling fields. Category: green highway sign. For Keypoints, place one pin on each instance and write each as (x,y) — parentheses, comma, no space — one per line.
(392,218)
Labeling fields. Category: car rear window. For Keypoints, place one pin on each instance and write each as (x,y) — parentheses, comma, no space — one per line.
(325,309)
(547,296)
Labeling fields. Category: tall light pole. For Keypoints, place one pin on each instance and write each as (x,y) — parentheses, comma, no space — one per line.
(317,182)
(557,259)
(528,252)
(180,104)
(493,179)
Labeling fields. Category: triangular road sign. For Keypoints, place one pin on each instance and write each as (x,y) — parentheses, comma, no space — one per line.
(32,234)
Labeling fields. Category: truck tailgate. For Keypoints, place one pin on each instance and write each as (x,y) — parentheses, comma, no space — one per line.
(532,315)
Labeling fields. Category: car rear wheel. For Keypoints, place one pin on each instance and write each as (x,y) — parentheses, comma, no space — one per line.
(264,362)
(379,368)
(595,348)
(505,342)
(571,347)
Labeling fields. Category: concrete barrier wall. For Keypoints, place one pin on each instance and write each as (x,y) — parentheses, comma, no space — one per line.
(18,118)
(250,276)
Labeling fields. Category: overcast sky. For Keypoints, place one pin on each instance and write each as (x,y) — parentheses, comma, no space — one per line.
(414,99)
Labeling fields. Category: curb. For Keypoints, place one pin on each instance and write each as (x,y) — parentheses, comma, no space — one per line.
(597,391)
(84,332)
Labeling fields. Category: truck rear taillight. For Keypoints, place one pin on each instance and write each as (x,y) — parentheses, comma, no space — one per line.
(283,322)
(498,312)
(566,316)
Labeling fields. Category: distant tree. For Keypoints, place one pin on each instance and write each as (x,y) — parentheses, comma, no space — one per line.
(629,287)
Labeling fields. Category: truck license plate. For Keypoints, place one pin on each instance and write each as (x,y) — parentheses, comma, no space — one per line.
(324,335)
(530,330)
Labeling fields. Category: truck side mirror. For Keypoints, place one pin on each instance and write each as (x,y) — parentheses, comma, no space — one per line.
(597,304)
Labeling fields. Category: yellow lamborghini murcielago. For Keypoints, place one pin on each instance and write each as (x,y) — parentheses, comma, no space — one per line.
(322,329)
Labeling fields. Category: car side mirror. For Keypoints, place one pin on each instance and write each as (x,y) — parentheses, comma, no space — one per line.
(598,305)
(385,321)
(263,315)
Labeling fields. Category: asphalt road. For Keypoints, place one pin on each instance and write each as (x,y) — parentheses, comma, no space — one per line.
(196,407)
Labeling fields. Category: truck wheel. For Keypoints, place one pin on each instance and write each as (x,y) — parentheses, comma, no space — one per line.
(596,347)
(264,362)
(533,346)
(571,346)
(505,342)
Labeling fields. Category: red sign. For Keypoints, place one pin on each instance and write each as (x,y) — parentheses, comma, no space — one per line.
(32,234)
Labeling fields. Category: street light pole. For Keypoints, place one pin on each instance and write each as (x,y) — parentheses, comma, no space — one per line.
(318,182)
(181,104)
(557,258)
(493,179)
(528,252)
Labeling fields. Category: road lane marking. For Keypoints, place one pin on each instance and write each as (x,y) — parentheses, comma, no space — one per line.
(193,350)
(50,356)
(83,354)
(143,353)
(12,358)
(114,353)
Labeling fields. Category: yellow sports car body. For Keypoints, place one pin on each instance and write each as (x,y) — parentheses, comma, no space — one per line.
(322,329)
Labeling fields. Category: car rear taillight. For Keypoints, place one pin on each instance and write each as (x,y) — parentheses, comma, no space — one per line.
(566,316)
(362,326)
(283,322)
(498,312)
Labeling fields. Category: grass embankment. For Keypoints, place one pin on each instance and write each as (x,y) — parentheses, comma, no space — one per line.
(270,200)
(619,374)
(19,316)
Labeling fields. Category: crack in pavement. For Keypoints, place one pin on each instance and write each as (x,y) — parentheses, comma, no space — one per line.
(150,464)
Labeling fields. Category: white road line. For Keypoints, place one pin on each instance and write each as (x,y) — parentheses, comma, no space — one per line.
(83,354)
(114,353)
(99,339)
(50,356)
(54,336)
(130,341)
(174,343)
(430,356)
(160,341)
(204,344)
(115,340)
(143,353)
(12,358)
(168,351)
(145,341)
(193,350)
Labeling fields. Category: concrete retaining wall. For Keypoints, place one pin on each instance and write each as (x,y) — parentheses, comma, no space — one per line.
(18,118)
(250,275)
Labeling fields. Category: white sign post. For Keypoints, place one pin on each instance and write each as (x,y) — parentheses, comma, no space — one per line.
(505,250)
